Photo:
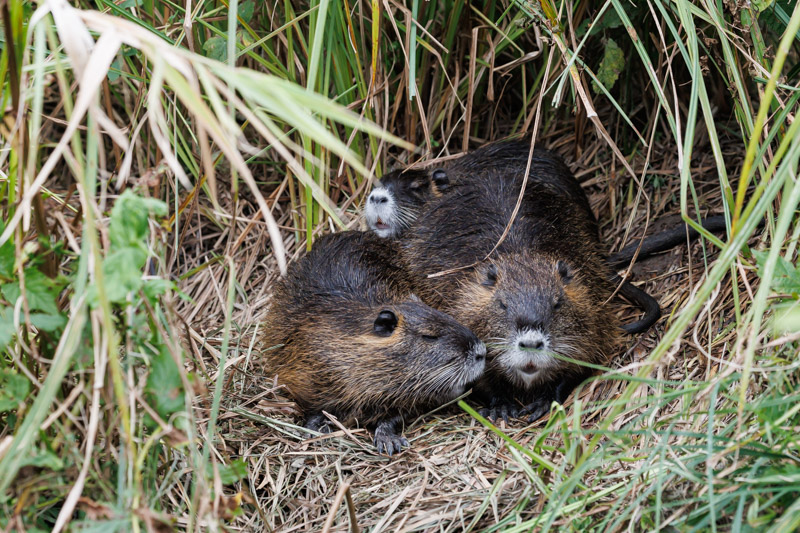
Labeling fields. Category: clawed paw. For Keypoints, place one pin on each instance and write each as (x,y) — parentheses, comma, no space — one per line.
(319,423)
(536,410)
(500,411)
(390,444)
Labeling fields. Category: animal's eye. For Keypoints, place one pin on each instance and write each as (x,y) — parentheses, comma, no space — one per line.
(430,338)
(491,276)
(557,304)
(415,185)
(502,305)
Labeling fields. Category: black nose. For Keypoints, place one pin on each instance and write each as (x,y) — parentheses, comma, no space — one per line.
(378,199)
(532,345)
(478,351)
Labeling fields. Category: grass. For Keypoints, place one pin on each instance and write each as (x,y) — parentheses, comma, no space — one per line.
(159,169)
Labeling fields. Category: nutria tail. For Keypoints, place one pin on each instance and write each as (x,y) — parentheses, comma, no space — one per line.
(665,240)
(652,311)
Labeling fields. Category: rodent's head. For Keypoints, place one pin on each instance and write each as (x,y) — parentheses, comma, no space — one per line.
(531,307)
(396,199)
(436,357)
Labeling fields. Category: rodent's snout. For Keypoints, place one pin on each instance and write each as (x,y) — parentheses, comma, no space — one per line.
(378,196)
(478,351)
(531,344)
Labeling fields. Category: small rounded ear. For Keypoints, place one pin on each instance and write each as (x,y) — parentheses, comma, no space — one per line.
(565,271)
(440,179)
(491,275)
(385,323)
(416,185)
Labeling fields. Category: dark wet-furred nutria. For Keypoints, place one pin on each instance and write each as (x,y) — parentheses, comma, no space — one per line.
(542,296)
(396,198)
(348,337)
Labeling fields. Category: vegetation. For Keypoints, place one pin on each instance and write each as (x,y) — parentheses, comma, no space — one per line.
(159,167)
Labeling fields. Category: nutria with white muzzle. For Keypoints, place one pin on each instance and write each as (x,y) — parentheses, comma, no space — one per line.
(397,197)
(541,298)
(346,335)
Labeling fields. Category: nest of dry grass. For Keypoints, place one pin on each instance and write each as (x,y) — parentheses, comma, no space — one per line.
(458,474)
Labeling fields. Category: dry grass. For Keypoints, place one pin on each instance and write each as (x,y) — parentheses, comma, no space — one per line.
(692,427)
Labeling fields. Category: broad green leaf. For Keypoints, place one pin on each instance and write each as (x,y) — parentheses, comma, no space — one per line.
(785,278)
(610,67)
(6,326)
(7,256)
(129,219)
(216,48)
(122,273)
(164,388)
(233,472)
(14,389)
(45,322)
(246,10)
(45,459)
(40,290)
(154,288)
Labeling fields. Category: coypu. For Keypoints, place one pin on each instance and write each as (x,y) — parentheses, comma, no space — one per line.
(396,199)
(543,292)
(351,339)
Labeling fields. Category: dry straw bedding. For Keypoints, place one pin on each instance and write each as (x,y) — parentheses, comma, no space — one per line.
(453,463)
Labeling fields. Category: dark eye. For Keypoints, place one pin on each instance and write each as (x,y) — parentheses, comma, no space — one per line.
(491,276)
(430,338)
(557,304)
(502,305)
(415,185)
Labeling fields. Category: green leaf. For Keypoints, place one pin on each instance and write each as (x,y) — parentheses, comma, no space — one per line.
(45,322)
(40,290)
(233,472)
(45,459)
(246,10)
(7,257)
(787,320)
(129,219)
(128,229)
(164,388)
(785,278)
(216,48)
(6,326)
(14,389)
(610,67)
(153,288)
(761,5)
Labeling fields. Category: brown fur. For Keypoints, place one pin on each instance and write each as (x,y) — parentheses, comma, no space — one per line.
(335,350)
(549,276)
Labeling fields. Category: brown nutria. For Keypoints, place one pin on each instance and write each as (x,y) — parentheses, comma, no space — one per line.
(396,198)
(395,202)
(351,339)
(542,296)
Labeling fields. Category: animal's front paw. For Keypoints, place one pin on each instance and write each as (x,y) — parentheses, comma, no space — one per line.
(537,409)
(390,444)
(318,423)
(387,439)
(500,409)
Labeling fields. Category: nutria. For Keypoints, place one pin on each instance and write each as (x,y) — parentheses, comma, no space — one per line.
(542,296)
(395,202)
(347,336)
(396,198)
